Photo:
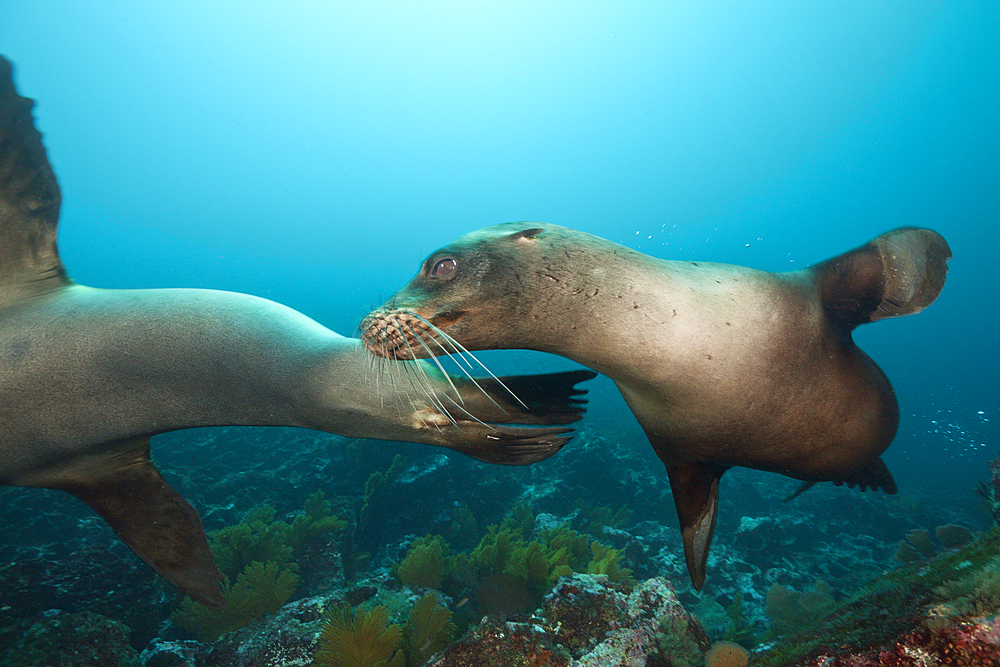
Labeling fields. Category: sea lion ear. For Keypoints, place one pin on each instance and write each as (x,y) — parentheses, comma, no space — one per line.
(525,234)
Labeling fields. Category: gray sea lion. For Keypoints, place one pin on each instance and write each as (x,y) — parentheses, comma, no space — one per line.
(87,376)
(722,365)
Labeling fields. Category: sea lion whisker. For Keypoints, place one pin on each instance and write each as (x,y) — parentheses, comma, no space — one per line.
(416,335)
(435,399)
(424,383)
(465,351)
(458,352)
(443,337)
(419,381)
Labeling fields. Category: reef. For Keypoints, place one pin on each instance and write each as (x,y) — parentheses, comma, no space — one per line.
(479,564)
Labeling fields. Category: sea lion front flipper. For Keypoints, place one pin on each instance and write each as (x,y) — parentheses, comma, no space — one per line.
(695,487)
(506,445)
(125,488)
(896,274)
(550,398)
(29,196)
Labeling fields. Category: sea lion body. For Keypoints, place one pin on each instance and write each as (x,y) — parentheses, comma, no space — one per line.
(116,364)
(722,365)
(88,375)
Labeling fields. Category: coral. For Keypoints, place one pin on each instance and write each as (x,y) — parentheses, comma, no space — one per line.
(944,609)
(951,535)
(428,631)
(584,607)
(920,539)
(576,546)
(976,594)
(653,605)
(536,565)
(261,589)
(727,654)
(496,644)
(80,639)
(423,566)
(605,561)
(741,631)
(715,619)
(906,553)
(789,609)
(287,637)
(521,521)
(258,538)
(599,517)
(314,521)
(495,548)
(364,639)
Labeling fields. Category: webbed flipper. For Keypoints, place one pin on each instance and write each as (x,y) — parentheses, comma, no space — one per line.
(875,475)
(899,273)
(508,445)
(695,488)
(488,404)
(122,485)
(550,398)
(29,196)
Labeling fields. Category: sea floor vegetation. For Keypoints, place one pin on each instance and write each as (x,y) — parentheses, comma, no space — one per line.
(358,554)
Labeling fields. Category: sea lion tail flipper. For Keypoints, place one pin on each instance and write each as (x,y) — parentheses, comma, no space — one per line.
(126,489)
(896,274)
(695,487)
(875,475)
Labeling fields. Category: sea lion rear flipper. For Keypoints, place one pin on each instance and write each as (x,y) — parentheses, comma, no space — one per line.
(29,196)
(875,475)
(126,489)
(695,487)
(896,274)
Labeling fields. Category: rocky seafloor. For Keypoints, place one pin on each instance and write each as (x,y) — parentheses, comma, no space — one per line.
(820,580)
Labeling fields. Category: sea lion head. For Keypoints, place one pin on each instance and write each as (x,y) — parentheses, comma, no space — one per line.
(470,290)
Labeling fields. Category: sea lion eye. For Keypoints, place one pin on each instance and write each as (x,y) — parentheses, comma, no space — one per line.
(444,267)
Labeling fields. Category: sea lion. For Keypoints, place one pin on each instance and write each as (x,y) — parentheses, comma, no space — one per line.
(722,365)
(88,375)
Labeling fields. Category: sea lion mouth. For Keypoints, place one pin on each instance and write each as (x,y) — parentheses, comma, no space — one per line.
(403,335)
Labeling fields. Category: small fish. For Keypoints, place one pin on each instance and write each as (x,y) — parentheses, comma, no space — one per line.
(461,602)
(426,644)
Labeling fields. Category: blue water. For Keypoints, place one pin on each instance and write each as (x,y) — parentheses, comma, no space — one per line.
(314,153)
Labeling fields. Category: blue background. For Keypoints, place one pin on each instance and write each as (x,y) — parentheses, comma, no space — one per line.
(313,153)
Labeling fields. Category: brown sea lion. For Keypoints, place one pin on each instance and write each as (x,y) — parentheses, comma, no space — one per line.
(88,375)
(722,365)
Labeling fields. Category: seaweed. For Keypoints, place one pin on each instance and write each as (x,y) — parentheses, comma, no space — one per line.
(423,565)
(261,589)
(362,639)
(428,631)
